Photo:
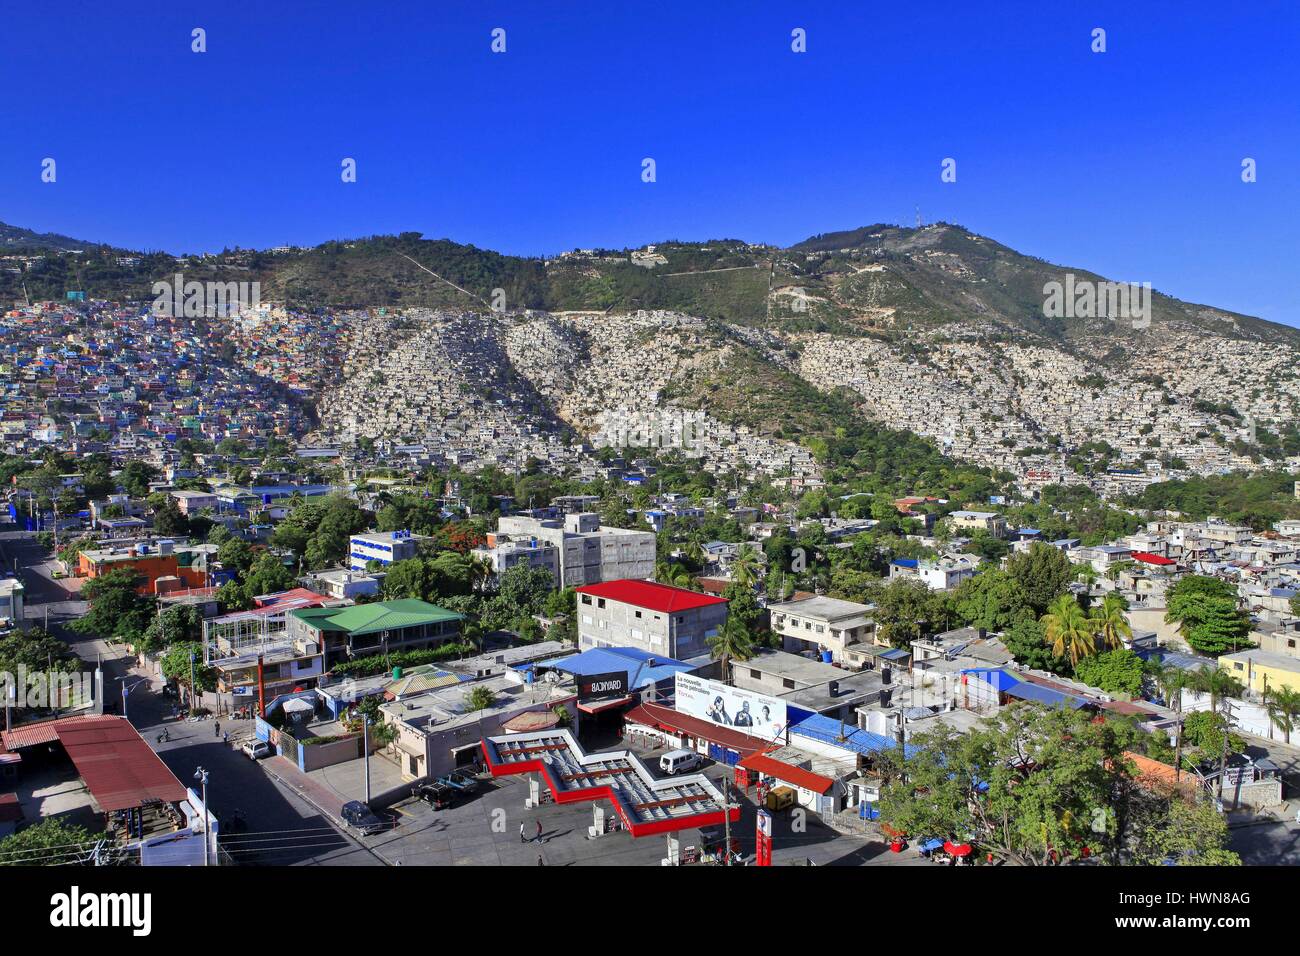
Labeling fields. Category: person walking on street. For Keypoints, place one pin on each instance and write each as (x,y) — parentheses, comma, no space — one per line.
(539,860)
(521,832)
(539,831)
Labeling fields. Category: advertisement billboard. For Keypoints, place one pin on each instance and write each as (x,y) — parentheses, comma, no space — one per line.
(747,711)
(612,684)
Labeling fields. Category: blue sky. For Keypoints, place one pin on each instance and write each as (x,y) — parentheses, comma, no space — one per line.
(1127,163)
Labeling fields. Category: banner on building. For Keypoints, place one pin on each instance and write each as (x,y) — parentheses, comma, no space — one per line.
(749,712)
(612,684)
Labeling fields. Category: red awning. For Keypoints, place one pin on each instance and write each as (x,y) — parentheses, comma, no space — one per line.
(596,706)
(956,849)
(657,715)
(804,779)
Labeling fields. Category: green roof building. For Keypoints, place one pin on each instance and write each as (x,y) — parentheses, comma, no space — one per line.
(382,627)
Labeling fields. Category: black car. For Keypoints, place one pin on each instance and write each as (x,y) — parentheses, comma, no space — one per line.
(437,795)
(360,817)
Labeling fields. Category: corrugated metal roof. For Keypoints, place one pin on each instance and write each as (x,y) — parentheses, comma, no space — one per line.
(650,595)
(119,769)
(798,776)
(856,740)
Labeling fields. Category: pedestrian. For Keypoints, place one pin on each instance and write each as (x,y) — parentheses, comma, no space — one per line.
(539,831)
(522,838)
(226,737)
(540,862)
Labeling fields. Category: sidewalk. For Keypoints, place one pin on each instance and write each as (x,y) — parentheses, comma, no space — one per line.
(317,794)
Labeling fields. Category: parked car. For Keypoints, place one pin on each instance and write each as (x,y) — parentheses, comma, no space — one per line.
(360,817)
(459,780)
(257,749)
(439,796)
(680,761)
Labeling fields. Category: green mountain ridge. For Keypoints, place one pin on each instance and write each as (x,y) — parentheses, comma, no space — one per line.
(880,280)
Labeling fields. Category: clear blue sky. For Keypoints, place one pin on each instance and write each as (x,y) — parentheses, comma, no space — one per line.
(1127,162)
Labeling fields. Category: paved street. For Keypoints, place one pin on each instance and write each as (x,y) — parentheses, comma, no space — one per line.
(282,827)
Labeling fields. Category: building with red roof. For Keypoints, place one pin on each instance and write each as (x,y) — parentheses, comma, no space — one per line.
(652,617)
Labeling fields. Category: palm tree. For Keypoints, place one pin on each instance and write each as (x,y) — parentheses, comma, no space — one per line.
(674,574)
(1217,683)
(1283,709)
(1069,630)
(1087,574)
(480,572)
(1111,622)
(745,567)
(732,642)
(1172,680)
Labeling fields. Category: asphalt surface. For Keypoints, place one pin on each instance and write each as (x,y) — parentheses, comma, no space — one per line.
(280,827)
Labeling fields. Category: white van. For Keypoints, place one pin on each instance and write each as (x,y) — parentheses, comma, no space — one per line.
(679,761)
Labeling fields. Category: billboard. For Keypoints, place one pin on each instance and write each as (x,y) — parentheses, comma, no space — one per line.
(749,712)
(612,684)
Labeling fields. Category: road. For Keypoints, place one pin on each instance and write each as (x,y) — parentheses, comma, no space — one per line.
(282,827)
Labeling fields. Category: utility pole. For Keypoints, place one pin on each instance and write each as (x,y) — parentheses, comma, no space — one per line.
(1223,761)
(202,776)
(365,749)
(726,822)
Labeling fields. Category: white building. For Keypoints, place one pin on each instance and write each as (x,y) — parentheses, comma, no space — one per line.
(382,546)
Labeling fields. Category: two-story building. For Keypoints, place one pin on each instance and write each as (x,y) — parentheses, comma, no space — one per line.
(823,626)
(378,628)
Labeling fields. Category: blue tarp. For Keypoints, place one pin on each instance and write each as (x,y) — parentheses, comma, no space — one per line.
(929,846)
(1046,696)
(856,740)
(995,677)
(609,660)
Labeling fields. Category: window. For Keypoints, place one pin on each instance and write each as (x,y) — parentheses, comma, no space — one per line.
(1290,643)
(787,683)
(757,675)
(638,613)
(600,602)
(586,599)
(1237,666)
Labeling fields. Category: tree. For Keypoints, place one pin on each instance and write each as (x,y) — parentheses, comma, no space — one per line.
(732,642)
(1185,833)
(1027,642)
(1030,786)
(993,601)
(1110,621)
(177,624)
(135,477)
(480,698)
(1043,573)
(1068,630)
(1171,682)
(742,605)
(168,520)
(1116,672)
(118,612)
(1217,683)
(235,555)
(1283,708)
(267,575)
(35,650)
(1205,610)
(51,842)
(186,658)
(903,609)
(746,566)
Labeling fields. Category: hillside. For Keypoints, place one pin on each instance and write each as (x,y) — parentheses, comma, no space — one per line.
(798,359)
